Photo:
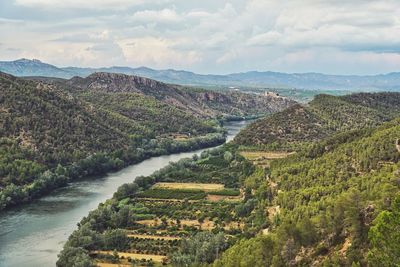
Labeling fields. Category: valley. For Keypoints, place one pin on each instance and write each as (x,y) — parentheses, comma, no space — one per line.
(294,203)
(54,131)
(34,233)
(246,133)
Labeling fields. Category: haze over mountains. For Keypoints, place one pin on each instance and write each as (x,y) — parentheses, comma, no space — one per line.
(387,82)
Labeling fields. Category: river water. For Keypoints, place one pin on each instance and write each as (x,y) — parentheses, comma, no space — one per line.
(33,234)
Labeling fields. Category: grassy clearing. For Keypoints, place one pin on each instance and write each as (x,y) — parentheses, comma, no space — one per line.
(186,191)
(254,155)
(216,198)
(206,225)
(263,158)
(154,237)
(136,256)
(192,186)
(163,200)
(104,264)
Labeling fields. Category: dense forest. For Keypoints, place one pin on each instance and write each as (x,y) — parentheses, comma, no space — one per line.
(322,117)
(335,202)
(54,131)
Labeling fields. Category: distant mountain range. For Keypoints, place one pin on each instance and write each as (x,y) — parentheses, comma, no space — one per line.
(390,81)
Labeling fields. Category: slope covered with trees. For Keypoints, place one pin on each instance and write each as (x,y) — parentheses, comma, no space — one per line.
(328,197)
(54,131)
(332,203)
(199,102)
(323,116)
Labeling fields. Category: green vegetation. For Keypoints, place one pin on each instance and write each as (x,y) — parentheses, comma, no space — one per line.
(55,131)
(226,192)
(322,201)
(335,202)
(142,208)
(300,125)
(384,236)
(202,248)
(173,194)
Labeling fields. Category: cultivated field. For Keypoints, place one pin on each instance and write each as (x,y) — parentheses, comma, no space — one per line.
(136,256)
(154,237)
(216,198)
(205,225)
(191,186)
(263,158)
(255,155)
(103,264)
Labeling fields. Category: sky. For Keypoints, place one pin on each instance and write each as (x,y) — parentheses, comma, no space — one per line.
(208,36)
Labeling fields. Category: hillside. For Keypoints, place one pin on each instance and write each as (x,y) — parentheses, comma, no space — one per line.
(199,102)
(26,67)
(50,136)
(330,204)
(54,130)
(323,116)
(390,81)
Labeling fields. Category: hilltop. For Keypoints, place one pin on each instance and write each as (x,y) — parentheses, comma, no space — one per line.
(390,81)
(324,116)
(56,130)
(335,203)
(198,102)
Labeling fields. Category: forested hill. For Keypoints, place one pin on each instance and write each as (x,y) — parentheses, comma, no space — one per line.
(53,131)
(335,203)
(323,116)
(198,102)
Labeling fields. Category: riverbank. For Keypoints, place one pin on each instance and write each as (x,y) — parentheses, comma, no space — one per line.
(99,164)
(34,233)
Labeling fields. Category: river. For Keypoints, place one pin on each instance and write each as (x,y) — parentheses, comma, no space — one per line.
(33,234)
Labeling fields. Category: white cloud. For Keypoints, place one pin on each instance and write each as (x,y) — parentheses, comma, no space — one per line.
(81,4)
(163,16)
(210,36)
(156,52)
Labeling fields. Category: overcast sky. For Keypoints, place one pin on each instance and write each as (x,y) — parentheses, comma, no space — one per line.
(208,36)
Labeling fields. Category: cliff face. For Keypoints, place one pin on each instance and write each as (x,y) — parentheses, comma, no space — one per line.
(198,102)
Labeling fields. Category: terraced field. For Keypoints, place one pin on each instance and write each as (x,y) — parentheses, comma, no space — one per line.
(194,186)
(147,223)
(152,240)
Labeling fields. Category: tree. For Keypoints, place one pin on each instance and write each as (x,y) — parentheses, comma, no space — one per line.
(228,156)
(126,190)
(202,248)
(74,257)
(384,236)
(257,252)
(116,239)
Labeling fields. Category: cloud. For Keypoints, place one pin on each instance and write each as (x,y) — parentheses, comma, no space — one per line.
(157,52)
(208,36)
(164,16)
(79,4)
(10,21)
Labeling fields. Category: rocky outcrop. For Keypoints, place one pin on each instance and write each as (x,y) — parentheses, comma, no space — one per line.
(202,103)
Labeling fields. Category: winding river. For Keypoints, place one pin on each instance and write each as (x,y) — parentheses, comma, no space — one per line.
(33,234)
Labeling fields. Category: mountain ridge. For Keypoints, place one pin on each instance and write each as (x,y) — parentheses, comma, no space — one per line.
(322,117)
(53,130)
(309,80)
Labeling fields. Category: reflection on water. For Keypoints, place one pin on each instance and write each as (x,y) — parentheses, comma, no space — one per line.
(33,234)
